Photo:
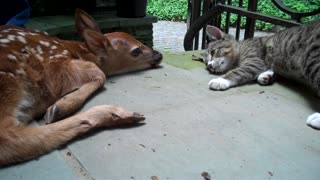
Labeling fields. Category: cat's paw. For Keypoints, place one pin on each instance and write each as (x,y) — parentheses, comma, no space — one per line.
(314,121)
(266,78)
(219,84)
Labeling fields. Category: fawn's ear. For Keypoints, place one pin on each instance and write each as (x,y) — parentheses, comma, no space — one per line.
(85,21)
(97,43)
(214,33)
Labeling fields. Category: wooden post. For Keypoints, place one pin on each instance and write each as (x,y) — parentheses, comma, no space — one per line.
(249,32)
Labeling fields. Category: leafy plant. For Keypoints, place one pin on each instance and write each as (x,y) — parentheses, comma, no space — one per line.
(268,8)
(173,10)
(177,10)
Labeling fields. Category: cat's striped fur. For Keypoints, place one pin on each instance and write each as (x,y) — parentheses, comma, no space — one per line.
(293,53)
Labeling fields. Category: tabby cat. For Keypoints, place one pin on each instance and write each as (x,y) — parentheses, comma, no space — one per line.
(293,53)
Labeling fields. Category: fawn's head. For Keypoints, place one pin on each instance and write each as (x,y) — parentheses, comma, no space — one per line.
(116,52)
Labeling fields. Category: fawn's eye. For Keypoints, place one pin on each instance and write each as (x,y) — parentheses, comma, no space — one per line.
(136,52)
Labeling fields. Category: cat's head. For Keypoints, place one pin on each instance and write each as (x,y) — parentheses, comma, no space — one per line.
(222,52)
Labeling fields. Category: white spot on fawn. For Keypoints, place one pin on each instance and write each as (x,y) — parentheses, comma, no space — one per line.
(40,58)
(21,71)
(22,33)
(11,37)
(53,47)
(12,57)
(31,50)
(47,44)
(58,56)
(83,48)
(65,52)
(32,34)
(6,74)
(10,29)
(39,49)
(22,39)
(4,41)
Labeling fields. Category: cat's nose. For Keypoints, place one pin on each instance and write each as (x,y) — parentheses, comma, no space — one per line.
(210,67)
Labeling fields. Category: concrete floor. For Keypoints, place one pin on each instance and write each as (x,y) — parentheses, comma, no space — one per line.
(248,132)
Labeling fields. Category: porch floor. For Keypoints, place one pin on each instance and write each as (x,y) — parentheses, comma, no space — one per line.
(248,132)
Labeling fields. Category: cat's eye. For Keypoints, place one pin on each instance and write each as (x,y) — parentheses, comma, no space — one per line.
(227,51)
(136,52)
(213,52)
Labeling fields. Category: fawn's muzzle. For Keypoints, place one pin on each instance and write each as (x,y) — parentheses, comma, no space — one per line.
(157,57)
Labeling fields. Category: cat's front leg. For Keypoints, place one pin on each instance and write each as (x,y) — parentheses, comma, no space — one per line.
(246,73)
(220,84)
(266,78)
(314,121)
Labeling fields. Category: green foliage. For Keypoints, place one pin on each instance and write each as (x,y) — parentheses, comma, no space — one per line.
(304,6)
(173,10)
(268,8)
(177,10)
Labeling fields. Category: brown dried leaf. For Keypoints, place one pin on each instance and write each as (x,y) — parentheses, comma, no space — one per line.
(154,178)
(196,58)
(206,176)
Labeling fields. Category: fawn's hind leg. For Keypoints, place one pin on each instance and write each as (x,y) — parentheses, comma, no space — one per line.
(89,78)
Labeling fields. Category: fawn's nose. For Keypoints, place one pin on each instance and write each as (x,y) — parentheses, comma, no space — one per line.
(157,57)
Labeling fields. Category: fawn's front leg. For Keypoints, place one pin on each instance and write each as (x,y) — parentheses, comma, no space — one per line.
(26,142)
(90,81)
(247,72)
(71,102)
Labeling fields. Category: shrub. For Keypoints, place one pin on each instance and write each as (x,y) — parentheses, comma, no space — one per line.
(267,7)
(172,10)
(177,10)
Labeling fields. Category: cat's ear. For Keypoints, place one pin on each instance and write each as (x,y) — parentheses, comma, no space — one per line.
(214,33)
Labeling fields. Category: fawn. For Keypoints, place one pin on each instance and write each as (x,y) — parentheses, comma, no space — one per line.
(43,75)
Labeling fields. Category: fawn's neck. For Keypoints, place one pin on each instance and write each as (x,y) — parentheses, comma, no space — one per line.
(79,50)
